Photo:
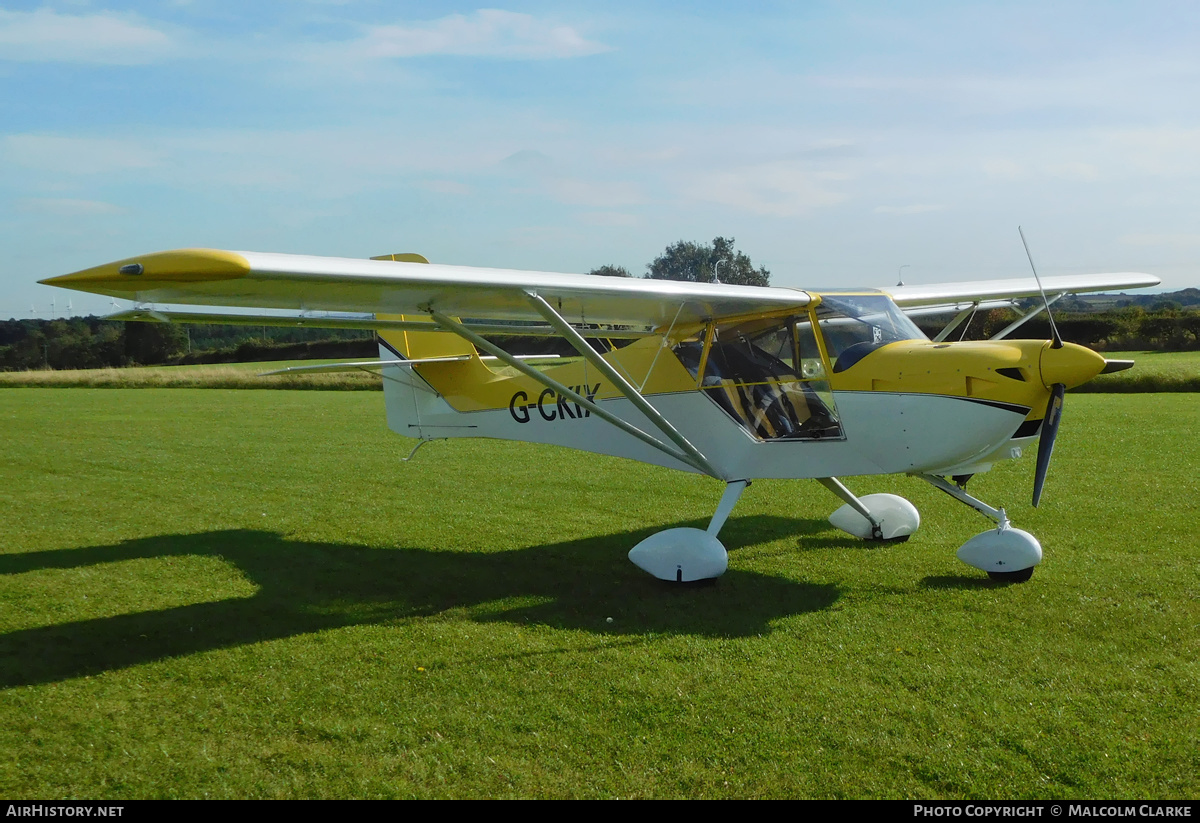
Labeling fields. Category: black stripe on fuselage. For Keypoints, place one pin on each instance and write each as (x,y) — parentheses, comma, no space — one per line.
(1028,429)
(1012,407)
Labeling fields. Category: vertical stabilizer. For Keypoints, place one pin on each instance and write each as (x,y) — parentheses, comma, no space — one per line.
(412,345)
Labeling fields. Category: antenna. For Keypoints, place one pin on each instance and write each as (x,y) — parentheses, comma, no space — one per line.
(1053,328)
(900,274)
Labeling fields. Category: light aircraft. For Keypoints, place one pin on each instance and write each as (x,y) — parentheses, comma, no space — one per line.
(734,382)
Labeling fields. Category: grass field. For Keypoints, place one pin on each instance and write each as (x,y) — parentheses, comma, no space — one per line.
(1171,371)
(220,376)
(247,594)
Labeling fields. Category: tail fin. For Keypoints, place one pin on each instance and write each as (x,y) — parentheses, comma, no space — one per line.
(411,345)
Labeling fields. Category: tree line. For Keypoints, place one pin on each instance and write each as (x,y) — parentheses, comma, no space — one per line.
(1128,328)
(96,343)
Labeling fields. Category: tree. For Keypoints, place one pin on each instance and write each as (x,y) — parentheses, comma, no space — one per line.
(611,271)
(696,263)
(149,344)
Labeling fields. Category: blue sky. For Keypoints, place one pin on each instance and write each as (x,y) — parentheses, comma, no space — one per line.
(835,141)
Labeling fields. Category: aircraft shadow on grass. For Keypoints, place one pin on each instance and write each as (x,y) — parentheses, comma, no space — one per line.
(308,587)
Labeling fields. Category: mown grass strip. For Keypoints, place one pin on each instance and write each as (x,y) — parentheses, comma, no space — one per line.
(247,594)
(225,376)
(1153,372)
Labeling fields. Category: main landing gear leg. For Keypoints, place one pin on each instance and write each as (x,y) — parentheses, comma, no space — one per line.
(882,517)
(686,554)
(1005,553)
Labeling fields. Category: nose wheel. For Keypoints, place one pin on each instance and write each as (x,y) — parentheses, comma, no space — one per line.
(1012,577)
(1008,555)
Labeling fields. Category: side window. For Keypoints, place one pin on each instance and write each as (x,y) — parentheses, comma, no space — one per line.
(812,367)
(812,364)
(751,372)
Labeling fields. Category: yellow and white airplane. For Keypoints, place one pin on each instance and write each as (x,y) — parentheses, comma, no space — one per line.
(735,382)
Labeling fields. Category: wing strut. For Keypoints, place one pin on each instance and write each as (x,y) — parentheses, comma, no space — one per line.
(958,318)
(1020,321)
(635,397)
(462,331)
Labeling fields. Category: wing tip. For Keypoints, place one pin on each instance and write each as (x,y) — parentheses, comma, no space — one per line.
(149,271)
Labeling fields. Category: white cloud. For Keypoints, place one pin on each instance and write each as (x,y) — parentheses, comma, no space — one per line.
(45,36)
(915,208)
(1170,152)
(1114,82)
(778,189)
(1004,169)
(527,161)
(445,187)
(1171,240)
(606,218)
(77,155)
(486,33)
(1074,171)
(66,207)
(593,193)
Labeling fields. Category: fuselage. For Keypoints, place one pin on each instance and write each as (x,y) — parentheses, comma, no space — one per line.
(787,396)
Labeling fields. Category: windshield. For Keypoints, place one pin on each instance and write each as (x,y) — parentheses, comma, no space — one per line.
(856,325)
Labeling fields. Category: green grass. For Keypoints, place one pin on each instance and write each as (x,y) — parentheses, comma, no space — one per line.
(1177,371)
(220,376)
(247,594)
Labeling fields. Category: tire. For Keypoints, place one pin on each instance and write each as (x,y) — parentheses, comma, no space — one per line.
(1012,577)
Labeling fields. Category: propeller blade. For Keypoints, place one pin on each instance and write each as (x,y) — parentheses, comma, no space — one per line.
(1111,366)
(1046,441)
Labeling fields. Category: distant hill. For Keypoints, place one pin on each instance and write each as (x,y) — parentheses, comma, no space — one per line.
(1184,298)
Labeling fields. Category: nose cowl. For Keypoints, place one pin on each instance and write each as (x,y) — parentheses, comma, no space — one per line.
(1070,365)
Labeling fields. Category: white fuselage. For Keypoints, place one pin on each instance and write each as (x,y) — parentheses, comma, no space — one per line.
(885,432)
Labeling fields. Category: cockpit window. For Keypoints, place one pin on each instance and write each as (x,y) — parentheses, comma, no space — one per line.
(757,372)
(856,325)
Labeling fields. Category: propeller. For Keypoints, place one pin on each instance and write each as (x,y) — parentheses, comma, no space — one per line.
(1111,366)
(1046,442)
(1057,393)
